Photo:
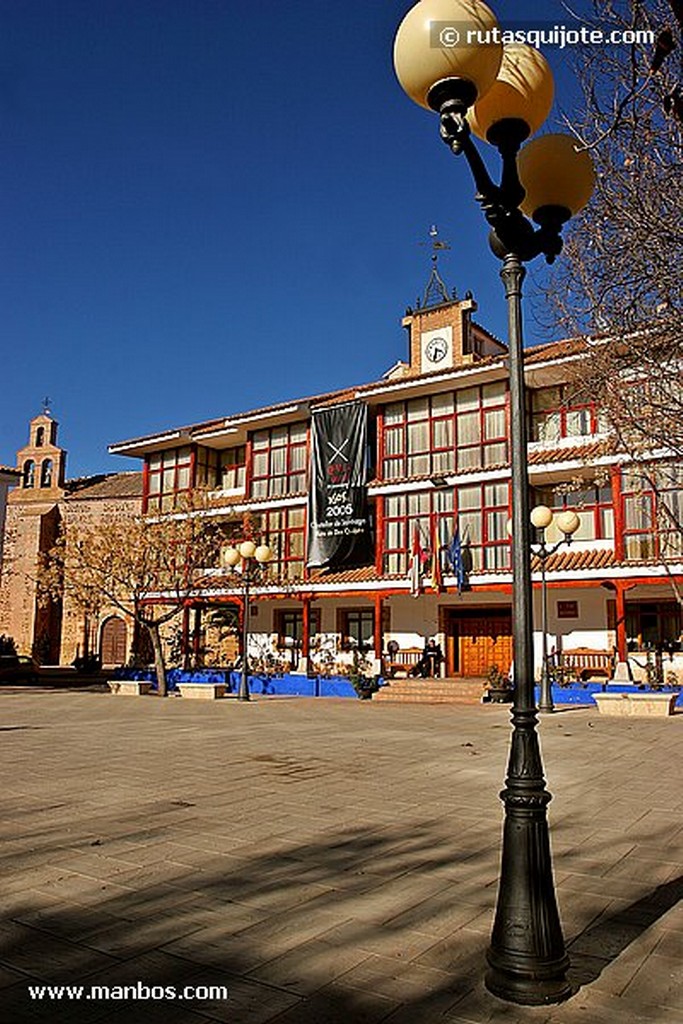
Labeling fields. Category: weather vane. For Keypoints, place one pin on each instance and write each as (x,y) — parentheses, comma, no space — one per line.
(436,291)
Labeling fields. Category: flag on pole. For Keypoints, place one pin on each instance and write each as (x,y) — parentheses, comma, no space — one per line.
(454,552)
(436,573)
(417,560)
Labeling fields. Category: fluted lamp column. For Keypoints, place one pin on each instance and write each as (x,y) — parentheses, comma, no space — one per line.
(504,94)
(247,562)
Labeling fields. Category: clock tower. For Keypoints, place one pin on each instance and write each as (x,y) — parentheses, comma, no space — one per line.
(444,337)
(442,334)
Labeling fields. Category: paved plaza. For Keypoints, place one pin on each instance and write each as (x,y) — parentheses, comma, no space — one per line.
(323,861)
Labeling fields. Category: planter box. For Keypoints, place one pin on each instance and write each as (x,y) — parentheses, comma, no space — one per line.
(130,687)
(636,704)
(202,691)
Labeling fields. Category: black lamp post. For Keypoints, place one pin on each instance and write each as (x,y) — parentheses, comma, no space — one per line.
(568,523)
(247,562)
(445,64)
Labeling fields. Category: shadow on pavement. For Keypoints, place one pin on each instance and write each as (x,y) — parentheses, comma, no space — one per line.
(603,941)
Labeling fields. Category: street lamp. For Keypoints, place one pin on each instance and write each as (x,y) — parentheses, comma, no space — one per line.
(568,523)
(448,59)
(247,561)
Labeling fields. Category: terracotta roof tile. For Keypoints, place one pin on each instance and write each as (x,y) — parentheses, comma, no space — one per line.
(571,560)
(569,453)
(114,485)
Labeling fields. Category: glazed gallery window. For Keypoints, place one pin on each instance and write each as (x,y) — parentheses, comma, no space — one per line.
(481,512)
(445,433)
(593,506)
(409,515)
(284,531)
(223,470)
(653,513)
(557,413)
(169,476)
(279,461)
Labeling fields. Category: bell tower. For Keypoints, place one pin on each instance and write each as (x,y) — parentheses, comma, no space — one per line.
(34,514)
(42,463)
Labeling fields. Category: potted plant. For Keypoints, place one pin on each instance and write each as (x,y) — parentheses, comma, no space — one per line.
(360,677)
(498,686)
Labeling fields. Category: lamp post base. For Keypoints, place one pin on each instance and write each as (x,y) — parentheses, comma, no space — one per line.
(528,986)
(527,958)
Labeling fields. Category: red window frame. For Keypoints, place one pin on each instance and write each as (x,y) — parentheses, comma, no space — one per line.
(565,407)
(439,516)
(291,480)
(559,501)
(284,530)
(158,465)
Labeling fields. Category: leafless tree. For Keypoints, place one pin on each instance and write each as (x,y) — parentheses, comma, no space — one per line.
(147,567)
(620,281)
(619,285)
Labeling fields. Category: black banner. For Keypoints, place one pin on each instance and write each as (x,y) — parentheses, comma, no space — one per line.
(338,521)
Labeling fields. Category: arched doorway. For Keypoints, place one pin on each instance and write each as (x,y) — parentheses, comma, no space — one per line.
(113,641)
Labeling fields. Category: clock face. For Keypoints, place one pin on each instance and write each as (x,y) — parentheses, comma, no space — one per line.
(436,349)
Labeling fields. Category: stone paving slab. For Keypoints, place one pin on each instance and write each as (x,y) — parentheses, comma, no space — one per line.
(323,860)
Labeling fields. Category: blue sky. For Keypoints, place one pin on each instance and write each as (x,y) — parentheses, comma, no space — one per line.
(211,205)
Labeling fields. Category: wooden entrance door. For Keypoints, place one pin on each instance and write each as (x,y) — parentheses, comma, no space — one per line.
(484,641)
(113,641)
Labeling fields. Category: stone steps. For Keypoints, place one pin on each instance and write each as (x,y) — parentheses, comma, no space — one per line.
(431,691)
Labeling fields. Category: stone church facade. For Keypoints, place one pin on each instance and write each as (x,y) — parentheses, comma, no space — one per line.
(44,501)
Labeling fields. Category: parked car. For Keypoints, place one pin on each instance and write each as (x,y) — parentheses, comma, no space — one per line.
(18,668)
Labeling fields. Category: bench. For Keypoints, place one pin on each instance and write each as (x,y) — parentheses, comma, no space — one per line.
(403,662)
(581,663)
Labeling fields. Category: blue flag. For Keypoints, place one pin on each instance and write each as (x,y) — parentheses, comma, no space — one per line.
(454,554)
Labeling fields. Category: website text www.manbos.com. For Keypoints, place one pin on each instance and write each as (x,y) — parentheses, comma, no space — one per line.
(447,35)
(137,991)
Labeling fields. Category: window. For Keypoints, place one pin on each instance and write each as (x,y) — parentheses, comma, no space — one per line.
(651,623)
(653,513)
(445,433)
(408,515)
(593,506)
(289,625)
(29,474)
(231,470)
(357,628)
(206,472)
(556,413)
(169,477)
(46,473)
(40,437)
(283,530)
(279,461)
(481,431)
(482,515)
(483,512)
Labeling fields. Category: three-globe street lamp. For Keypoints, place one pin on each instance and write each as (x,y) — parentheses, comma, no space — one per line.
(568,523)
(503,95)
(248,562)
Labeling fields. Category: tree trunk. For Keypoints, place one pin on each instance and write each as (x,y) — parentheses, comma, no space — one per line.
(159,663)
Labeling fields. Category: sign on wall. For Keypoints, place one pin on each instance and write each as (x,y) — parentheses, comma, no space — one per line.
(567,609)
(338,521)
